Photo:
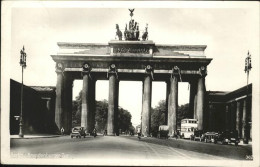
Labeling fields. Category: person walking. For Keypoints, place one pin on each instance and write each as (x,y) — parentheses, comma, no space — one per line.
(62,131)
(94,132)
(139,133)
(105,133)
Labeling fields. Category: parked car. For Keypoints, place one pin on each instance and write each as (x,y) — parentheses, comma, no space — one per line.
(227,137)
(209,137)
(163,131)
(197,135)
(78,132)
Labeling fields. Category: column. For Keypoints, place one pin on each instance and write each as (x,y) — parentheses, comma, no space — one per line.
(92,103)
(142,104)
(195,106)
(146,109)
(227,117)
(59,104)
(85,106)
(192,106)
(48,104)
(112,104)
(67,117)
(210,123)
(166,102)
(232,116)
(244,122)
(116,109)
(238,119)
(173,105)
(200,102)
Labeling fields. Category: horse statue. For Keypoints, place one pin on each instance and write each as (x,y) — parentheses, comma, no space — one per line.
(118,32)
(145,34)
(137,33)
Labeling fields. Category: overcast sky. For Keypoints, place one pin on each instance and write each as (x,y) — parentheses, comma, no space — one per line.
(228,33)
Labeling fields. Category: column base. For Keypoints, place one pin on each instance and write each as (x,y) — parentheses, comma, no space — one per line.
(245,141)
(146,136)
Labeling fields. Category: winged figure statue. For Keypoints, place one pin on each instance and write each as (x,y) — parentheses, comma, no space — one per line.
(131,10)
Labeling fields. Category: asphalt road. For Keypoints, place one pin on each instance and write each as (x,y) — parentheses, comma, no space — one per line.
(120,147)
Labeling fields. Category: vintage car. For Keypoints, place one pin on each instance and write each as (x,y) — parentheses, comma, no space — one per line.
(78,132)
(209,137)
(197,135)
(227,137)
(163,131)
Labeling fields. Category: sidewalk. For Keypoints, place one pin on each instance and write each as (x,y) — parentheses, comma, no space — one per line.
(35,136)
(188,140)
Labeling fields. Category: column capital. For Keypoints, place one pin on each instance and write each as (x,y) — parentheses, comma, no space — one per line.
(176,72)
(112,69)
(86,69)
(203,71)
(149,70)
(59,67)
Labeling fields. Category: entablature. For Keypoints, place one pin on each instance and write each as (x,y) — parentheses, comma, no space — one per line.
(116,48)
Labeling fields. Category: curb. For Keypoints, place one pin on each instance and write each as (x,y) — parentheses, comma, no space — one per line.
(36,137)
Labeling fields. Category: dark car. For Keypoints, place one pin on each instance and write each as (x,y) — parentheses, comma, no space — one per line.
(78,132)
(197,135)
(227,137)
(163,131)
(209,137)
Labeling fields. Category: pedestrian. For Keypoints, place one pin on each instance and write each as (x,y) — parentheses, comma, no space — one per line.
(94,132)
(139,133)
(62,131)
(105,133)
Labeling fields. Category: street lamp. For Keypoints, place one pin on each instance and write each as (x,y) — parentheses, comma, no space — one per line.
(23,64)
(248,65)
(247,69)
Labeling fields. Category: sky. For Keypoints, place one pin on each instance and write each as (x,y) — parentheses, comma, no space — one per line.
(228,31)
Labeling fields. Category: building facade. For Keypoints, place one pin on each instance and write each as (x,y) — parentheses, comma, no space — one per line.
(230,111)
(38,109)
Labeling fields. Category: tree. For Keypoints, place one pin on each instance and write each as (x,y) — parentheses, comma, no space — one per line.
(101,115)
(76,110)
(158,115)
(124,120)
(124,117)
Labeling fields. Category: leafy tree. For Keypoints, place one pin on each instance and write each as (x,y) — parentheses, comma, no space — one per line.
(101,115)
(158,115)
(124,120)
(76,110)
(124,117)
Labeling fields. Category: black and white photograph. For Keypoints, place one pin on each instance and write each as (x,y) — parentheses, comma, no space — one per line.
(130,83)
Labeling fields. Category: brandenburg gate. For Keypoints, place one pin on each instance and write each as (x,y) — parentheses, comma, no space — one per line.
(129,58)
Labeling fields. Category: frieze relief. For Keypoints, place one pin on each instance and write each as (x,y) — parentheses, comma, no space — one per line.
(131,50)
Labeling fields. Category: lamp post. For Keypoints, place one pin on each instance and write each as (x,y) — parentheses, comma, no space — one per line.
(248,66)
(23,65)
(247,69)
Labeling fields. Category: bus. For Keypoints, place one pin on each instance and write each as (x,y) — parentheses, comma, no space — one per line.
(188,126)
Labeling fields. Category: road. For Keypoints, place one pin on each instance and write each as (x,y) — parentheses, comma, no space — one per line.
(120,147)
